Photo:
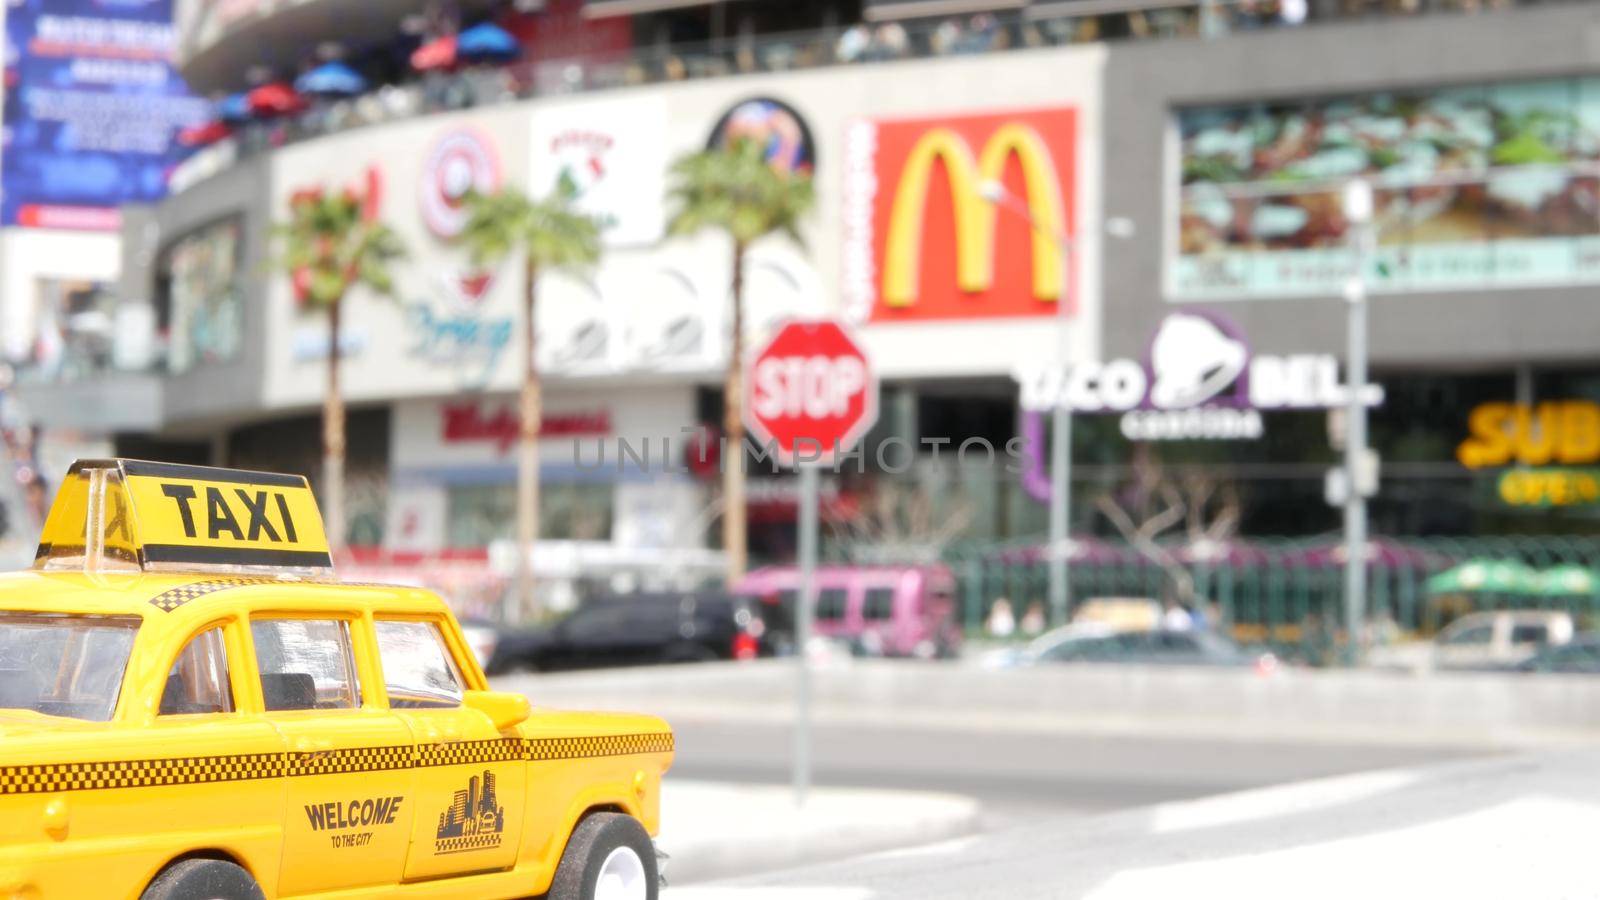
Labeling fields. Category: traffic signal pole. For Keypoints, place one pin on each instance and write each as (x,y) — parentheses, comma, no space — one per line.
(1060,541)
(1358,210)
(1061,469)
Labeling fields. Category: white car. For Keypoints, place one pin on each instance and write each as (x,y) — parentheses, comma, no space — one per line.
(1485,641)
(1499,640)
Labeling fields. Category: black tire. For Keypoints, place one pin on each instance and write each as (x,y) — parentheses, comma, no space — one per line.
(203,879)
(591,843)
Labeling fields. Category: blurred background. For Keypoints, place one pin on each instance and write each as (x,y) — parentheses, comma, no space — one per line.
(1113,262)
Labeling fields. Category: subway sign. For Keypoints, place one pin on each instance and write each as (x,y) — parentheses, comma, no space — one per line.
(1549,487)
(922,243)
(1553,432)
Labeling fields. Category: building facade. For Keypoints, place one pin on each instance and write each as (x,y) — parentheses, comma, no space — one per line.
(976,212)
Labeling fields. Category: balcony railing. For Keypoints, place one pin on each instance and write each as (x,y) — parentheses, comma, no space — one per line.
(1059,24)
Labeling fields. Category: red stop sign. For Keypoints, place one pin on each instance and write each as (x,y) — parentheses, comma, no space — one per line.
(811,392)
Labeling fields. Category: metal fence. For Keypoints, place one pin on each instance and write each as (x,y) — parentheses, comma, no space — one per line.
(1288,594)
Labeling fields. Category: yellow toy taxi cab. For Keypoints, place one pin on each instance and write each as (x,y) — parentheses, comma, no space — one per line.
(193,708)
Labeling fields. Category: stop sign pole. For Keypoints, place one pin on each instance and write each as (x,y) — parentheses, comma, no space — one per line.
(812,396)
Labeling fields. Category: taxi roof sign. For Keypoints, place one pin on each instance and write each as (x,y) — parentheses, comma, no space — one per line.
(132,515)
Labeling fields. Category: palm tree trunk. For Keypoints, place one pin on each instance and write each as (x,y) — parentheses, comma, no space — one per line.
(734,541)
(333,438)
(532,415)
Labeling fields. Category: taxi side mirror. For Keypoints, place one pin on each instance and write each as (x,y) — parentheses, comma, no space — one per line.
(504,709)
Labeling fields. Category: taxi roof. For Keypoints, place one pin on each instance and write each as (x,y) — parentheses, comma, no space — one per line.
(177,596)
(136,515)
(170,542)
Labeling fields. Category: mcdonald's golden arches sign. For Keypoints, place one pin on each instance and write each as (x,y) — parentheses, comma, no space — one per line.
(923,244)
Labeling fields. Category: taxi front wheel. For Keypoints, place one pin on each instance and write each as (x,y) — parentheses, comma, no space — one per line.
(203,879)
(609,857)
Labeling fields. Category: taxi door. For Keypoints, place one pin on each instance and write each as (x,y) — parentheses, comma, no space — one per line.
(349,804)
(470,781)
(202,727)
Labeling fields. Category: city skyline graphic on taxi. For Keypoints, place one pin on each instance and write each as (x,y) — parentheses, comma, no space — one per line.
(475,819)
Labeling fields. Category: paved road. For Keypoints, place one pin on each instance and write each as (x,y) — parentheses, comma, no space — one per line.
(1507,827)
(1020,775)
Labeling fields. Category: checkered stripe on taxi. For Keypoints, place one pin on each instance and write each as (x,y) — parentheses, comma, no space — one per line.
(94,776)
(355,759)
(461,753)
(546,749)
(173,598)
(139,773)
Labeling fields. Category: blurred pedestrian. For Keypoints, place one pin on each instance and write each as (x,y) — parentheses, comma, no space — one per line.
(946,37)
(1176,617)
(1247,16)
(853,43)
(892,40)
(1002,622)
(981,30)
(1033,622)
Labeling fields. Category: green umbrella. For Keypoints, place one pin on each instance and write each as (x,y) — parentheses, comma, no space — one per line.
(1570,580)
(1486,576)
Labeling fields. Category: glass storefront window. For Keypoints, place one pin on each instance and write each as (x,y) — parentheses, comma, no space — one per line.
(200,296)
(480,514)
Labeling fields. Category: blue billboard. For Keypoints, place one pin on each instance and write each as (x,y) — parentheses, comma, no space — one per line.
(92,110)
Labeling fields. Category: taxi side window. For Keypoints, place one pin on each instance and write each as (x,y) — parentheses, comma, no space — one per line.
(417,669)
(306,664)
(199,682)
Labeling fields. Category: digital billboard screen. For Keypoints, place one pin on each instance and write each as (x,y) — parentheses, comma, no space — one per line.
(1475,186)
(92,110)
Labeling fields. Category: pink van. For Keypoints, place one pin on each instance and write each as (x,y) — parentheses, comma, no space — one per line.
(880,610)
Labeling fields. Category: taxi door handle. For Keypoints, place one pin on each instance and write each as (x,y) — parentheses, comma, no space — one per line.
(311,745)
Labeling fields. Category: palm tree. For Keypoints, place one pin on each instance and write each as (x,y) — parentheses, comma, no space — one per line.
(552,235)
(734,190)
(334,242)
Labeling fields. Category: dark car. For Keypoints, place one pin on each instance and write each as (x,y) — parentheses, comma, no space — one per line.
(1580,656)
(638,629)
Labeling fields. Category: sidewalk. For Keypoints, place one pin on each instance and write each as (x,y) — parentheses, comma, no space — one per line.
(1510,827)
(713,830)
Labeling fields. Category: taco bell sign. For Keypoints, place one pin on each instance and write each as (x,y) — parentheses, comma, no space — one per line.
(1199,381)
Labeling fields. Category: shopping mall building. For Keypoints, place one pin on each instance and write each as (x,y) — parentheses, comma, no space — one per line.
(1178,167)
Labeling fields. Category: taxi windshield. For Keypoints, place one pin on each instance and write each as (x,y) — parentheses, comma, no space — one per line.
(64,665)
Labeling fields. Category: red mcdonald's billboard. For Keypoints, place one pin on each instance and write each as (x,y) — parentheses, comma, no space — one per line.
(921,241)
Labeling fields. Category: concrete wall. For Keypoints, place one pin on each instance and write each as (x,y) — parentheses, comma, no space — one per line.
(1145,81)
(1477,710)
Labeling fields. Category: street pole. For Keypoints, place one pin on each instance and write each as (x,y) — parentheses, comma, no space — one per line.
(1061,416)
(1061,460)
(805,608)
(1358,210)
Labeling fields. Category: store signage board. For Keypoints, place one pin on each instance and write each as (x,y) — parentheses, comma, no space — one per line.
(1541,488)
(1199,381)
(1563,432)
